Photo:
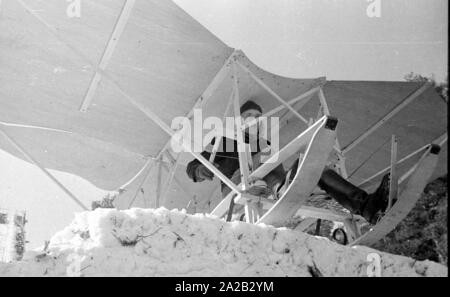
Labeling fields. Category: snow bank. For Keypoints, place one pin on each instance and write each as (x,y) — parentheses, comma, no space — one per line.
(159,242)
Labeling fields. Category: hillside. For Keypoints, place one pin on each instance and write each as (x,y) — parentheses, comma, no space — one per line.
(423,234)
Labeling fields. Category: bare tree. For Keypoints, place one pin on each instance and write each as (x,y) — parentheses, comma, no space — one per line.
(441,88)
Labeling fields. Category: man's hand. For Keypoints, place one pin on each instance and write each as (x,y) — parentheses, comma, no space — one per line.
(258,187)
(262,191)
(203,173)
(276,191)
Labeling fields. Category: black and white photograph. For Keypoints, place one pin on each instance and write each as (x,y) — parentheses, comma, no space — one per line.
(223,144)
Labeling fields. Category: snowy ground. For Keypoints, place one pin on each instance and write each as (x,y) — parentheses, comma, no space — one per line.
(148,242)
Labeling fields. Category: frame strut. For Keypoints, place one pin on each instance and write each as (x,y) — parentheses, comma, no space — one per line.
(242,152)
(125,185)
(149,169)
(215,83)
(178,182)
(109,50)
(243,160)
(325,214)
(218,142)
(323,103)
(337,146)
(169,183)
(37,164)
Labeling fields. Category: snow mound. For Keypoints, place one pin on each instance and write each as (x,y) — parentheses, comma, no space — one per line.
(159,242)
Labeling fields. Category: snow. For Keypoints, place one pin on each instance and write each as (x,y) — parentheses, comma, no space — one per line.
(159,242)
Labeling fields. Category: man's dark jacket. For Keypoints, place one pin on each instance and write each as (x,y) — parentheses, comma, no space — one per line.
(227,161)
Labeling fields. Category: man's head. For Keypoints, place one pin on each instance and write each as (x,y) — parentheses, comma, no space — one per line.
(250,110)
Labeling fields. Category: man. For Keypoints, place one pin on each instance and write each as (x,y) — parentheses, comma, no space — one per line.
(349,196)
(227,158)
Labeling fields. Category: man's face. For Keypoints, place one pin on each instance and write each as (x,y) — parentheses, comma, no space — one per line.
(251,113)
(248,116)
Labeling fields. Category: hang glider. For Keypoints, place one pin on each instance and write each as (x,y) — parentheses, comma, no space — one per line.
(97,97)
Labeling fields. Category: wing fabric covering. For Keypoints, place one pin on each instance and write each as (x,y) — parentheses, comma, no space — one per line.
(164,60)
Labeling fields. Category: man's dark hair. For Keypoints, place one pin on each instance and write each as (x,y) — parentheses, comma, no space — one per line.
(250,105)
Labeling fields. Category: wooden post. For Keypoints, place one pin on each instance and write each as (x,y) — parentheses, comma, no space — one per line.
(318,224)
(393,185)
(253,209)
(248,213)
(158,184)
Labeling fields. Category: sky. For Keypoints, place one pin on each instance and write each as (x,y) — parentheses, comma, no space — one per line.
(24,187)
(332,38)
(295,38)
